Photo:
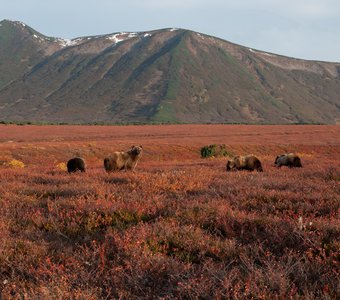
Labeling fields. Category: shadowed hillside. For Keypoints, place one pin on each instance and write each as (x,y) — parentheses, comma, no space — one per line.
(169,75)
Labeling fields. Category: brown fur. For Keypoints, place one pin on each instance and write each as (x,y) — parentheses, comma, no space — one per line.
(118,161)
(290,160)
(248,162)
(76,164)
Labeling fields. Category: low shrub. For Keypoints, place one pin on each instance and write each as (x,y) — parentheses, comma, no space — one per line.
(14,163)
(214,151)
(61,166)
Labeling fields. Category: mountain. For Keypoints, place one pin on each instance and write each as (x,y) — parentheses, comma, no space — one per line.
(168,75)
(21,47)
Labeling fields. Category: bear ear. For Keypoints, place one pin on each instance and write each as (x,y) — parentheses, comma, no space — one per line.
(141,146)
(132,146)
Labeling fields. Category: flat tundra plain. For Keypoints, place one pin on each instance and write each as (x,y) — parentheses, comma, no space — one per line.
(180,226)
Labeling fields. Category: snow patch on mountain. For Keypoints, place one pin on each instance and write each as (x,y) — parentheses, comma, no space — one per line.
(268,54)
(68,43)
(121,36)
(18,23)
(116,38)
(40,38)
(200,35)
(260,52)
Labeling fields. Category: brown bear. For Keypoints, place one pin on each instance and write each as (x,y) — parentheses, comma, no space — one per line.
(123,160)
(248,162)
(76,164)
(290,160)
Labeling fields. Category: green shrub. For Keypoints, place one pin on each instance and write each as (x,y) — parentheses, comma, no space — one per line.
(214,151)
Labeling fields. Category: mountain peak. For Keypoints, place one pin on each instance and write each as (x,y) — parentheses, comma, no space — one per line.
(17,27)
(13,23)
(165,75)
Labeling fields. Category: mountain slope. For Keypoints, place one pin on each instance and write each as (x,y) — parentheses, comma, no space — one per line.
(21,47)
(161,76)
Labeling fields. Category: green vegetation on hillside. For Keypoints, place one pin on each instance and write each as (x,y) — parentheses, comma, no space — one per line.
(166,111)
(163,76)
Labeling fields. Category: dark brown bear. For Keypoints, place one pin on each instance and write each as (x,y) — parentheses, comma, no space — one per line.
(248,162)
(290,160)
(76,164)
(123,160)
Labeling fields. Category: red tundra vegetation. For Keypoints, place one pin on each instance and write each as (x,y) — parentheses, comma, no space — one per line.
(180,226)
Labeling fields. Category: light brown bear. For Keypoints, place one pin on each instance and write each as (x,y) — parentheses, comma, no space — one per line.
(290,160)
(123,160)
(248,162)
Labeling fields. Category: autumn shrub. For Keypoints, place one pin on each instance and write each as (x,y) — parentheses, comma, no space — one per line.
(14,163)
(61,166)
(178,228)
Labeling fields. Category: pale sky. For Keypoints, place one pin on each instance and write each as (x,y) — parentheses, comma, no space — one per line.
(308,29)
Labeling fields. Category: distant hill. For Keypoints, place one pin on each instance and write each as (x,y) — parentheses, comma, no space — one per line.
(168,75)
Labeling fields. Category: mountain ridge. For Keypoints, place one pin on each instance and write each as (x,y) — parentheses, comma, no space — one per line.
(167,75)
